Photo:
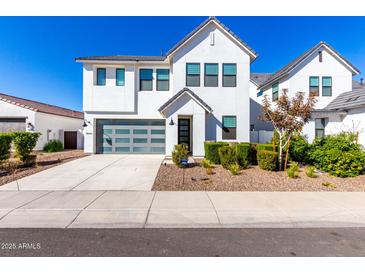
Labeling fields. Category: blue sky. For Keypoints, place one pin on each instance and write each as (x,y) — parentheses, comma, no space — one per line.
(37,53)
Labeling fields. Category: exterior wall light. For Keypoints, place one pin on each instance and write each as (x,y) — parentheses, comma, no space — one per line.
(171,122)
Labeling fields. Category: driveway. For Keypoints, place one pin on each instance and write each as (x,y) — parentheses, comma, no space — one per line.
(95,172)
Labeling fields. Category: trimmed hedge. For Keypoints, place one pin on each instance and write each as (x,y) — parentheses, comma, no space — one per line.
(53,146)
(243,153)
(5,145)
(211,151)
(24,143)
(267,160)
(268,147)
(227,156)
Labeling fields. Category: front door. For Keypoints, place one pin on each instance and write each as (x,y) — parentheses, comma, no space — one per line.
(184,132)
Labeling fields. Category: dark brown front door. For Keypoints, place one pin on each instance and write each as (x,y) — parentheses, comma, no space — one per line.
(70,140)
(184,132)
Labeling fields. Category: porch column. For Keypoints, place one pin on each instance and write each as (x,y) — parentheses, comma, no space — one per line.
(198,133)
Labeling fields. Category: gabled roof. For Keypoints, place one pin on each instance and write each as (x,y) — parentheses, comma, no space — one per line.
(259,78)
(122,58)
(193,96)
(41,107)
(250,51)
(347,100)
(292,65)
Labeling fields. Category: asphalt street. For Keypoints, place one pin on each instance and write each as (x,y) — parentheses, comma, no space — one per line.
(184,242)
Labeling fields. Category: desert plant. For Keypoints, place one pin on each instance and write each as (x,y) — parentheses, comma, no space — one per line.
(310,172)
(179,153)
(209,170)
(207,164)
(24,143)
(227,156)
(234,169)
(244,164)
(9,166)
(293,170)
(53,146)
(5,145)
(211,151)
(243,154)
(267,160)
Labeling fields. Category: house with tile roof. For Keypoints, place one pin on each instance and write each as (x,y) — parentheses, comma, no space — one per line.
(53,122)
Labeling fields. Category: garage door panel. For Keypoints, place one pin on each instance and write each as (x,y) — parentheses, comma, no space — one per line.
(131,136)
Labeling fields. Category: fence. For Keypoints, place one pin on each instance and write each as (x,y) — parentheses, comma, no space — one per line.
(261,136)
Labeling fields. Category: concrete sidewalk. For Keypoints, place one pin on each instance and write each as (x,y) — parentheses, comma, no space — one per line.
(143,209)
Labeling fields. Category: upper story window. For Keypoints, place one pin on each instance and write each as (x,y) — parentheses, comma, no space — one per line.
(229,127)
(192,74)
(119,76)
(163,79)
(211,75)
(326,86)
(260,93)
(275,91)
(145,79)
(314,85)
(229,75)
(320,125)
(100,76)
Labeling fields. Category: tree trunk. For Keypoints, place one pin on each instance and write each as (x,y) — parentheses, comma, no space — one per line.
(281,153)
(287,155)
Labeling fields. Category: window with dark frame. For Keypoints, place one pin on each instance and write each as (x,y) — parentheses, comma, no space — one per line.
(326,86)
(320,125)
(119,76)
(229,128)
(163,79)
(275,91)
(229,75)
(192,74)
(100,76)
(314,85)
(211,75)
(146,79)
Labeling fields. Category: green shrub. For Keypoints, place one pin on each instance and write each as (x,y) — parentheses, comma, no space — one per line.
(53,146)
(243,154)
(5,145)
(299,148)
(267,160)
(339,155)
(211,151)
(268,147)
(24,143)
(227,156)
(310,172)
(234,169)
(10,166)
(293,170)
(179,153)
(207,164)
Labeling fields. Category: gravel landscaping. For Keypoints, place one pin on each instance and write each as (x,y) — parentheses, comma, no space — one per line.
(44,161)
(195,178)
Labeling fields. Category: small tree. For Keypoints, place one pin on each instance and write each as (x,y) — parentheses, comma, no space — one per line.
(287,116)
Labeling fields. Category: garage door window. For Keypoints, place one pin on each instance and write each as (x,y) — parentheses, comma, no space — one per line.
(140,131)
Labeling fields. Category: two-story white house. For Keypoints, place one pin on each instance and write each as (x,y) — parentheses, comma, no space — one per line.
(324,72)
(198,91)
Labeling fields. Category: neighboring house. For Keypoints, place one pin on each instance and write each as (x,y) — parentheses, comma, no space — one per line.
(324,72)
(198,91)
(54,123)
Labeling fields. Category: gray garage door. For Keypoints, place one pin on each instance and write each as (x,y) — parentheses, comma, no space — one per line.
(130,136)
(12,124)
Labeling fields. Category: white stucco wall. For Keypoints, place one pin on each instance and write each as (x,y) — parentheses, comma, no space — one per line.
(10,110)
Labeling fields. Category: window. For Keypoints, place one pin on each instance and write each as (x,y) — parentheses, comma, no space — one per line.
(229,75)
(275,92)
(100,76)
(163,79)
(229,127)
(260,93)
(145,79)
(314,85)
(320,124)
(119,76)
(192,74)
(211,75)
(326,86)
